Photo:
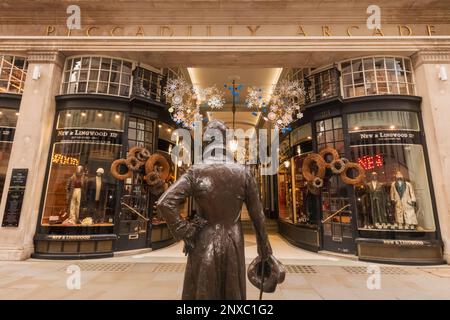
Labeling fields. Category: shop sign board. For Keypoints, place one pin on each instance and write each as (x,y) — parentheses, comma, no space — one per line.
(384,137)
(89,136)
(15,197)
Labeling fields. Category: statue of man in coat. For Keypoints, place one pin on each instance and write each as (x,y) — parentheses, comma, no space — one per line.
(214,240)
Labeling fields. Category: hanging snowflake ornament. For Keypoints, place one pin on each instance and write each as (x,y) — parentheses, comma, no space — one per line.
(285,103)
(185,101)
(215,98)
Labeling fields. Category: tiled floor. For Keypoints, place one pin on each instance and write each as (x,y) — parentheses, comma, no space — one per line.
(159,275)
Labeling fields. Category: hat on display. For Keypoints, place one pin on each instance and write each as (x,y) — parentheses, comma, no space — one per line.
(274,273)
(100,170)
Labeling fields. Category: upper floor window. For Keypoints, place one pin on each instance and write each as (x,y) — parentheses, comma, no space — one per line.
(97,75)
(13,71)
(377,75)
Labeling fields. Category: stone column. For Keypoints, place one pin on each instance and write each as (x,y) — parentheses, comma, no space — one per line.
(30,150)
(436,118)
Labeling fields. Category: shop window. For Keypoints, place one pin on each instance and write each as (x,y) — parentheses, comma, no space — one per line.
(395,194)
(13,72)
(336,216)
(322,85)
(97,75)
(141,133)
(8,121)
(285,204)
(377,75)
(148,84)
(80,189)
(329,133)
(306,203)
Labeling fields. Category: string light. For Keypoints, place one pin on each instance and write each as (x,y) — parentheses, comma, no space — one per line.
(61,159)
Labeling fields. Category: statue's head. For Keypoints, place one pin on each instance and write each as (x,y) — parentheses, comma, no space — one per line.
(215,129)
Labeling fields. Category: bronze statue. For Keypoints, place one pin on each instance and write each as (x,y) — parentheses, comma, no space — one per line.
(214,240)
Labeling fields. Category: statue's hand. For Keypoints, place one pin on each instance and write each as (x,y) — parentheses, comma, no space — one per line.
(194,227)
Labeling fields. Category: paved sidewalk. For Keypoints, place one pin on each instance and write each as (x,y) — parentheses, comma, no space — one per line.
(159,275)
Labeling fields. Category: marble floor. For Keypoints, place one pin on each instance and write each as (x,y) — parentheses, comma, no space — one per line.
(159,275)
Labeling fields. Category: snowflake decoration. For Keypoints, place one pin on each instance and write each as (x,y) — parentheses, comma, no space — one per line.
(284,104)
(185,101)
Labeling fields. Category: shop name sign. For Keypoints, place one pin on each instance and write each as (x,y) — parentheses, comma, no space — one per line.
(402,30)
(89,135)
(383,137)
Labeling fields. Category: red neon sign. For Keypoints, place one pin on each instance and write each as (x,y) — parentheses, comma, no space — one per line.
(371,162)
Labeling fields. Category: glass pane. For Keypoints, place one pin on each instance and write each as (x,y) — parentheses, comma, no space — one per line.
(337,122)
(377,120)
(357,65)
(379,63)
(395,194)
(390,63)
(95,63)
(368,64)
(347,80)
(358,78)
(106,64)
(346,67)
(328,124)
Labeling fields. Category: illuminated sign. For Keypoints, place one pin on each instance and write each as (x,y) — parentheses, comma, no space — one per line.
(371,162)
(64,160)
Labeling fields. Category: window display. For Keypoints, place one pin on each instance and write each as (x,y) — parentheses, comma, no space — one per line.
(8,121)
(395,194)
(80,188)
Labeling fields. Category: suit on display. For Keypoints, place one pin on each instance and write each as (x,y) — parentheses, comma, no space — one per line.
(75,187)
(96,195)
(402,194)
(214,239)
(378,199)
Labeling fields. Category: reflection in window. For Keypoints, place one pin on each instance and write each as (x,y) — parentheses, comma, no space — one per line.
(81,190)
(377,75)
(97,75)
(13,71)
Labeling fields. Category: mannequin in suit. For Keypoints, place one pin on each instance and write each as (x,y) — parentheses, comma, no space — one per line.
(378,201)
(75,186)
(96,195)
(402,194)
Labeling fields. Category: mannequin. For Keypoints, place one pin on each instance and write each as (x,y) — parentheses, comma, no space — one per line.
(402,194)
(378,201)
(76,184)
(95,195)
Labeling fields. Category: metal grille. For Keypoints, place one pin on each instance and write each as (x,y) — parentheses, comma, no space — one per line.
(103,267)
(170,267)
(300,269)
(384,270)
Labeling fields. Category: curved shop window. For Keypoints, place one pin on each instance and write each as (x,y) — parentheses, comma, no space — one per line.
(103,75)
(377,75)
(395,195)
(305,202)
(80,188)
(8,121)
